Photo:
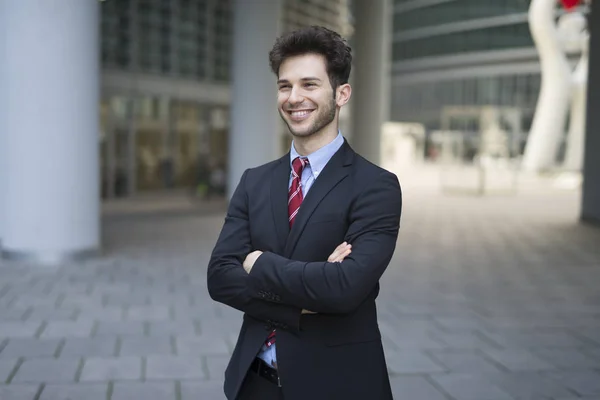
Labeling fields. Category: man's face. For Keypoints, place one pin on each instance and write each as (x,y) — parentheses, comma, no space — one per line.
(305,98)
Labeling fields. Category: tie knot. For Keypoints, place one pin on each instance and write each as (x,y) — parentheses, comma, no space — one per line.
(298,165)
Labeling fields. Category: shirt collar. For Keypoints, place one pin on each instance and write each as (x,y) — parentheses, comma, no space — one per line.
(318,159)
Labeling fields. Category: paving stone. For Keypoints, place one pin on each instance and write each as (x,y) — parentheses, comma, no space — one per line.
(19,392)
(529,385)
(50,314)
(470,387)
(464,340)
(412,362)
(201,345)
(461,324)
(171,367)
(518,360)
(194,390)
(120,328)
(148,313)
(61,329)
(594,353)
(577,398)
(589,334)
(414,387)
(6,367)
(104,314)
(217,366)
(98,369)
(127,299)
(145,390)
(30,348)
(543,339)
(81,301)
(414,341)
(464,361)
(32,300)
(162,328)
(18,329)
(12,314)
(143,346)
(47,370)
(571,358)
(83,391)
(585,383)
(103,346)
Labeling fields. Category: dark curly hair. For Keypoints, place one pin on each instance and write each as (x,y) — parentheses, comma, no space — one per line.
(315,40)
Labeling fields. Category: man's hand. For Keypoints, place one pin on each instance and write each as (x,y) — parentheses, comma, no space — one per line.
(338,255)
(251,259)
(341,252)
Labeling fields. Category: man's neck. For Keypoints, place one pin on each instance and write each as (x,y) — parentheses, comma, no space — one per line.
(308,145)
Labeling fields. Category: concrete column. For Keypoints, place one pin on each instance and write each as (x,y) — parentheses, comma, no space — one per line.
(590,210)
(371,94)
(132,123)
(51,152)
(254,137)
(3,132)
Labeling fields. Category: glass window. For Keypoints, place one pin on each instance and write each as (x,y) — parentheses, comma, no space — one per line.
(455,11)
(496,38)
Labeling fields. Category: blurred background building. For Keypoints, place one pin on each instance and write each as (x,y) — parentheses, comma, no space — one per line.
(166,76)
(457,64)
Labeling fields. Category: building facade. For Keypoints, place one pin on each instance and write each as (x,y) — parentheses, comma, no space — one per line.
(166,88)
(452,56)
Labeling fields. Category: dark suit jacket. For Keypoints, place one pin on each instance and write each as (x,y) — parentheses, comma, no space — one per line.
(337,353)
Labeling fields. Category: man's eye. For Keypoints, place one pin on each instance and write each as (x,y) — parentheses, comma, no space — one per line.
(283,87)
(310,84)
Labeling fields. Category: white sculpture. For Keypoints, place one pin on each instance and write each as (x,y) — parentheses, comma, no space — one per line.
(560,86)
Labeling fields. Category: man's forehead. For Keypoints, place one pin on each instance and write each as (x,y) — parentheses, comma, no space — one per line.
(304,66)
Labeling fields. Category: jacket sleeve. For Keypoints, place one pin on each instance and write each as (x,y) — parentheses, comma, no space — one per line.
(327,287)
(228,282)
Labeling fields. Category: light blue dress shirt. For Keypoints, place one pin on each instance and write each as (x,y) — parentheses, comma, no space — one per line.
(316,162)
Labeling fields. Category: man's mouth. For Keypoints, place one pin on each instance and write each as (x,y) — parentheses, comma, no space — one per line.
(299,115)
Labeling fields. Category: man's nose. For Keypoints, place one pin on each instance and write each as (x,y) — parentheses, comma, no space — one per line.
(295,96)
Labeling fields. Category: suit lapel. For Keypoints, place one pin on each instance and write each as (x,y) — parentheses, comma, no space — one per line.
(279,199)
(333,173)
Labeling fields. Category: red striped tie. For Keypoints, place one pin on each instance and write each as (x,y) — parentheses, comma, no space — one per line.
(295,198)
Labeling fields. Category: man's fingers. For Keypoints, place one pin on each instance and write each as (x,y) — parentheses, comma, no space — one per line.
(337,253)
(340,257)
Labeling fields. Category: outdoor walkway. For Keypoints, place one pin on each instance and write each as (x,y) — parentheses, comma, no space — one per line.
(491,298)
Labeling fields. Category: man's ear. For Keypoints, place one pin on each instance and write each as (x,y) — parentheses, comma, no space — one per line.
(343,93)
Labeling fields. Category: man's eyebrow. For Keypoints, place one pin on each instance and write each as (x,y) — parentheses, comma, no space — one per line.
(310,78)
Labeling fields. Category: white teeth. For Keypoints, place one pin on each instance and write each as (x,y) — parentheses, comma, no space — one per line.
(300,113)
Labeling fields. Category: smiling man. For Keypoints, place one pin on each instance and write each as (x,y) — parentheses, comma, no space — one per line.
(305,241)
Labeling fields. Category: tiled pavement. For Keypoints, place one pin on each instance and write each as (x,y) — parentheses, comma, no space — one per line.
(488,298)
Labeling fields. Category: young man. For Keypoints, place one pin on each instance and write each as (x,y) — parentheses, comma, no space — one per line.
(310,323)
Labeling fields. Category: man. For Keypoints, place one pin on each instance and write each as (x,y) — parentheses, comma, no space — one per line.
(310,323)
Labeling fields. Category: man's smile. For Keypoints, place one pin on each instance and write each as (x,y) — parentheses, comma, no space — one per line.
(299,115)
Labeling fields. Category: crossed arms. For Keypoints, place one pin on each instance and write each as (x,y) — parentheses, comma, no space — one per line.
(325,287)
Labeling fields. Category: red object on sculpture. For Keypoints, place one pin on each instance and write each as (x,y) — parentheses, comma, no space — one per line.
(569,4)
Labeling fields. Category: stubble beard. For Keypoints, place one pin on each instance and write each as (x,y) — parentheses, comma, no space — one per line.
(325,117)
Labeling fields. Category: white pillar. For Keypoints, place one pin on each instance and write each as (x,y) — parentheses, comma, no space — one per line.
(51,83)
(2,122)
(551,110)
(371,94)
(254,133)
